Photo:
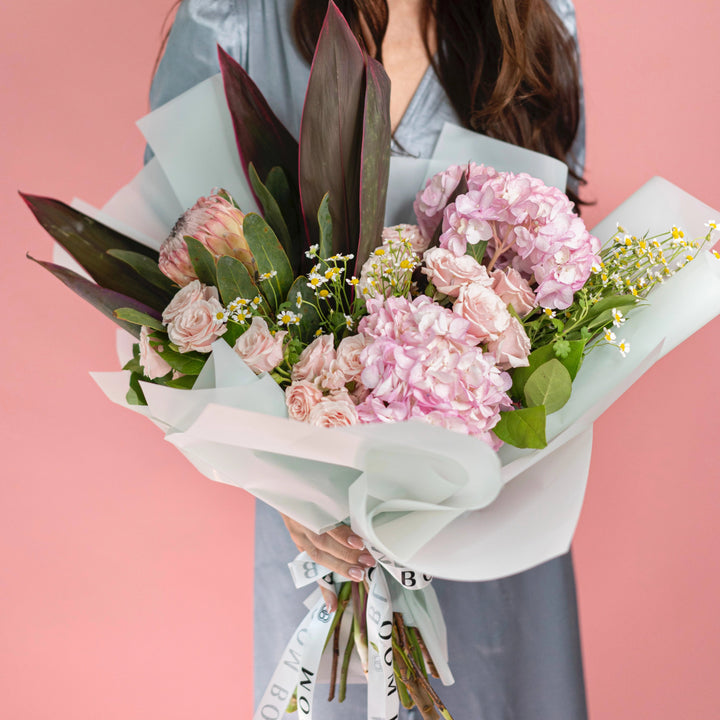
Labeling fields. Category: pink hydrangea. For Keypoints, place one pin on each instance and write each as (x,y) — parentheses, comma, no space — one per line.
(529,226)
(424,363)
(432,199)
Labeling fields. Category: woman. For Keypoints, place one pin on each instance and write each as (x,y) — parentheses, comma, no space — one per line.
(505,68)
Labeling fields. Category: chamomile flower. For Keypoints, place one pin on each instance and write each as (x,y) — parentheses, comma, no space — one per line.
(609,336)
(624,347)
(349,322)
(618,317)
(549,312)
(316,280)
(287,317)
(312,251)
(268,275)
(298,300)
(353,281)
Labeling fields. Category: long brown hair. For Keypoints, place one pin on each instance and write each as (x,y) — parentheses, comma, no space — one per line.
(509,67)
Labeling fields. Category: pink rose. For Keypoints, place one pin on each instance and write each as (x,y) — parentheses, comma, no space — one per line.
(348,355)
(512,348)
(198,326)
(514,290)
(314,358)
(332,377)
(184,298)
(411,233)
(153,365)
(259,348)
(301,397)
(334,411)
(484,310)
(448,272)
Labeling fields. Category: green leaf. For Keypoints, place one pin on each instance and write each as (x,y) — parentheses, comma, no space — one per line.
(270,257)
(233,332)
(601,310)
(571,361)
(573,358)
(550,385)
(106,301)
(88,242)
(139,318)
(275,219)
(523,428)
(202,261)
(325,228)
(477,251)
(331,132)
(135,395)
(184,382)
(147,267)
(375,161)
(234,281)
(310,320)
(190,363)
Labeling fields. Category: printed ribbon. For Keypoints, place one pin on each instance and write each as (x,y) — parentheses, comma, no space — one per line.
(298,668)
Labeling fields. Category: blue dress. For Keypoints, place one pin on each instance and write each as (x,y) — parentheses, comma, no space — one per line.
(514,643)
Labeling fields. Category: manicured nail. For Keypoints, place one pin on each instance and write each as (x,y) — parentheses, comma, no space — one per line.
(355,542)
(367,560)
(356,573)
(331,604)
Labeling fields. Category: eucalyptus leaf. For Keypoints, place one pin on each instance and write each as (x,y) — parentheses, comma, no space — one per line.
(571,361)
(190,363)
(202,261)
(523,428)
(275,219)
(270,258)
(139,318)
(135,395)
(148,268)
(184,382)
(234,281)
(550,385)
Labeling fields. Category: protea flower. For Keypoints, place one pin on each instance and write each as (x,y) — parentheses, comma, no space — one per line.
(218,225)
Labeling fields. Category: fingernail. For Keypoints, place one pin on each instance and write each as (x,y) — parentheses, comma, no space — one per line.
(367,560)
(356,573)
(355,542)
(331,604)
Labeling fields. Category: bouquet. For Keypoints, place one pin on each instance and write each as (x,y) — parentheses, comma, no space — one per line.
(338,368)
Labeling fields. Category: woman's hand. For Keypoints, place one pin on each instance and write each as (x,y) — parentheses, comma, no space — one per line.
(339,550)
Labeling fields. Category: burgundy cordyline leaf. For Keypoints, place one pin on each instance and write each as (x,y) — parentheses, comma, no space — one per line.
(261,138)
(331,132)
(375,163)
(88,241)
(106,301)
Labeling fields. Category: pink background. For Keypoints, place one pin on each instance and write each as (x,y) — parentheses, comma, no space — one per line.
(126,588)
